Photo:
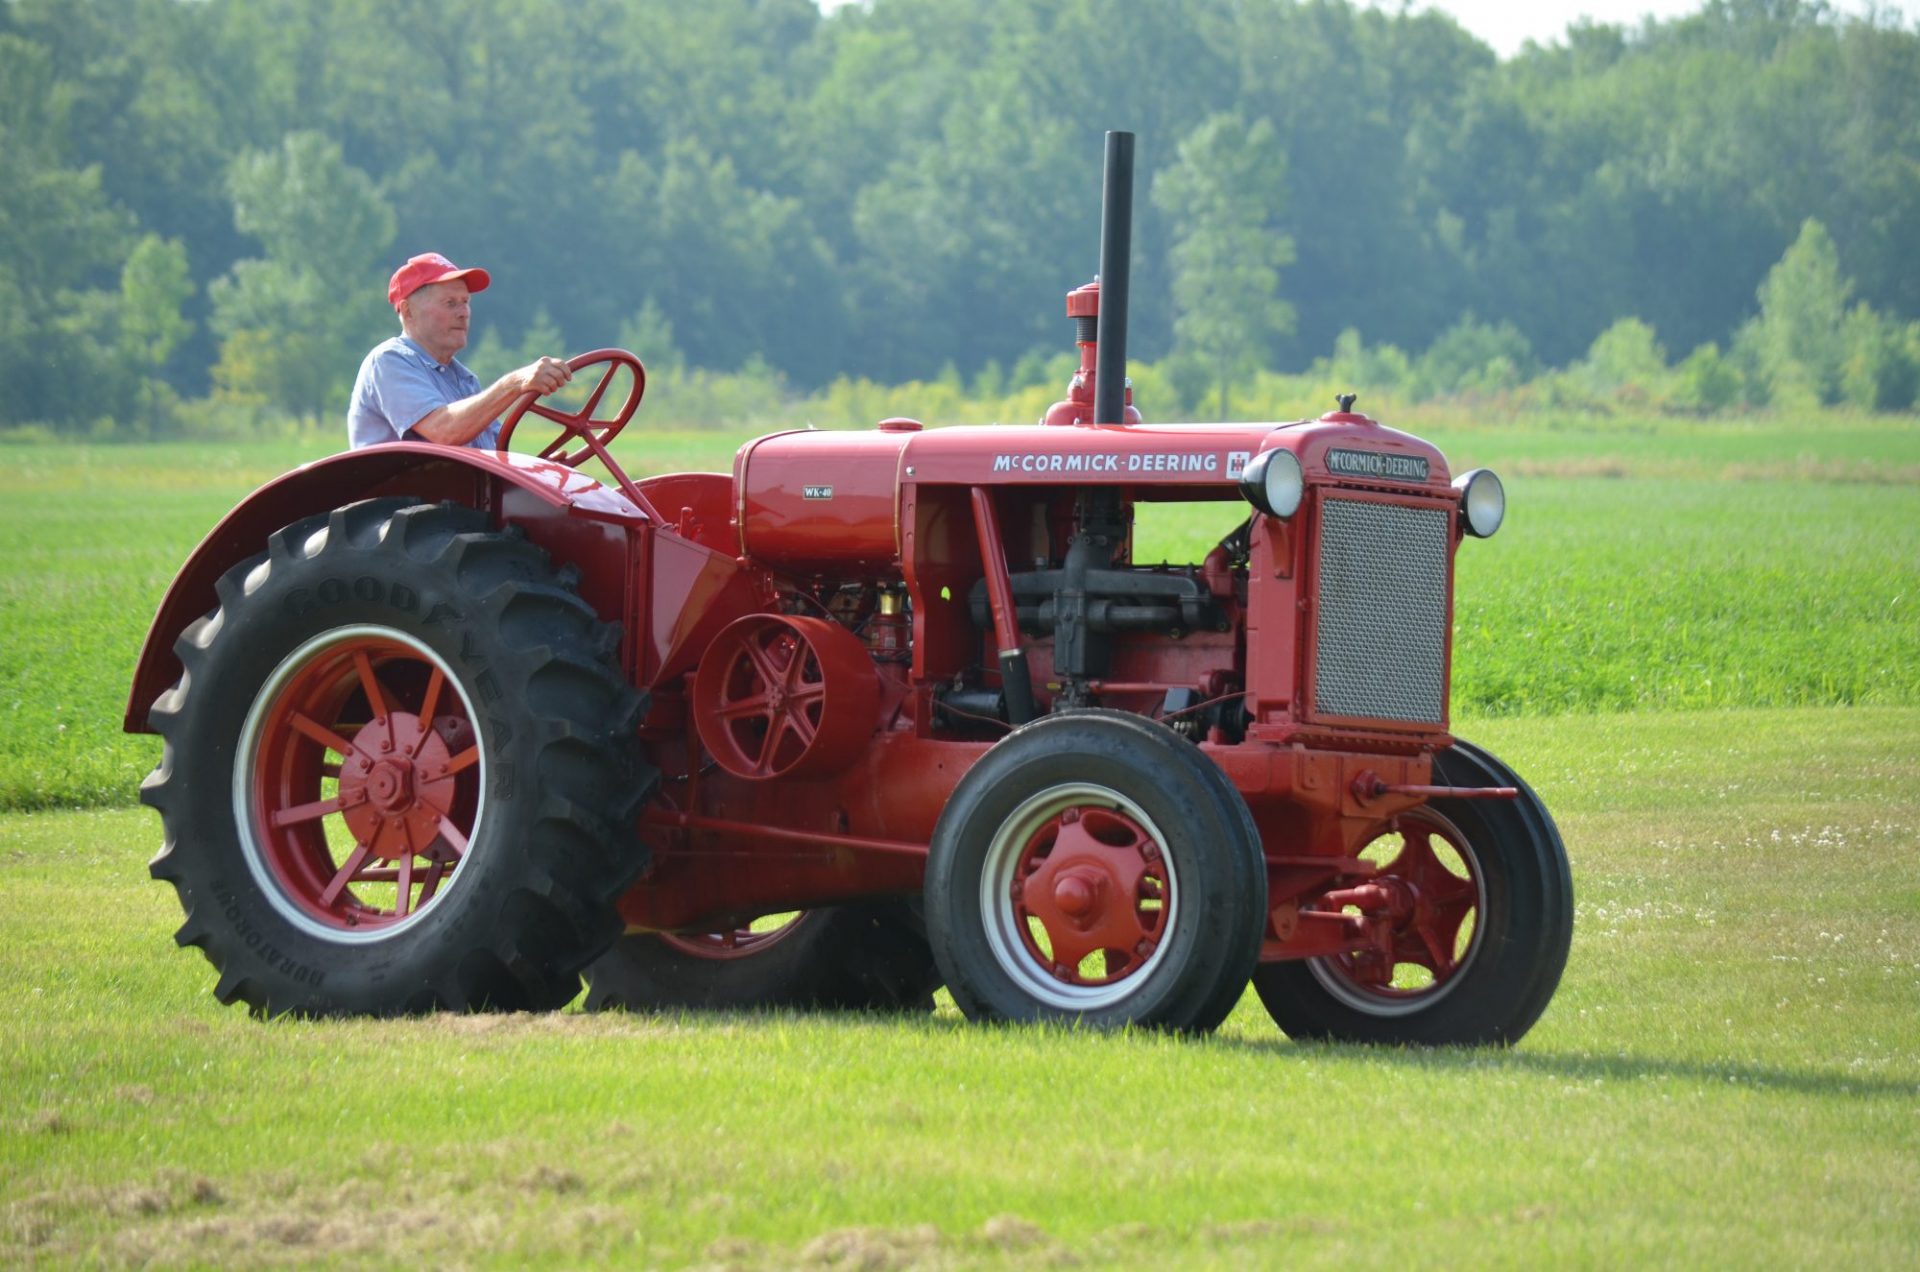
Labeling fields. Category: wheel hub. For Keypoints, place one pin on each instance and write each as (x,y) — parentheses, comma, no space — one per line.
(1078,893)
(1093,880)
(395,789)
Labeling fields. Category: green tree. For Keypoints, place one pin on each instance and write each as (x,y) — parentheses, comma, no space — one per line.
(1882,367)
(1803,306)
(316,293)
(1474,357)
(1222,197)
(60,239)
(1705,381)
(155,285)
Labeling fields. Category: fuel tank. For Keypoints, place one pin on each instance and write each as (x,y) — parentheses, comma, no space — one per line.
(822,500)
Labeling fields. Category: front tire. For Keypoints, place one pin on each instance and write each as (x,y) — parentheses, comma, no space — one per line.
(1485,944)
(400,771)
(1094,867)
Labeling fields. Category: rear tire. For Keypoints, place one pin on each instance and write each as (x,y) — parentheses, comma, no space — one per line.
(1094,867)
(862,956)
(400,771)
(1522,914)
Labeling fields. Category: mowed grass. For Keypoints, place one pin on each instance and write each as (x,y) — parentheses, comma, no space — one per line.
(1677,565)
(1729,1076)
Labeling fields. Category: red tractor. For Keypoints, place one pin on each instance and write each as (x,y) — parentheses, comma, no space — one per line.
(874,712)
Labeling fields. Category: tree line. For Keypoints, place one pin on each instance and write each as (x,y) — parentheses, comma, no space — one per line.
(203,198)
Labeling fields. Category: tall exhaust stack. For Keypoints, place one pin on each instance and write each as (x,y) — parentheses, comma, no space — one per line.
(1116,235)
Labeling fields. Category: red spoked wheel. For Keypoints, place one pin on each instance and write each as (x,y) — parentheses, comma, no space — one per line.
(1477,902)
(1095,867)
(359,780)
(1430,891)
(858,956)
(780,696)
(1079,894)
(741,942)
(594,434)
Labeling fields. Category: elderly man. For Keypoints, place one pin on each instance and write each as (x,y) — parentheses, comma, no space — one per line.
(410,388)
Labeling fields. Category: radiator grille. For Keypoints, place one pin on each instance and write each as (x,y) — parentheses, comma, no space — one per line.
(1380,651)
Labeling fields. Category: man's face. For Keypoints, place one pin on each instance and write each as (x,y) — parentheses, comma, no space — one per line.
(438,315)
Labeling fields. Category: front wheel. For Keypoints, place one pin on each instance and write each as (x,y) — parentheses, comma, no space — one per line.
(1094,867)
(1481,933)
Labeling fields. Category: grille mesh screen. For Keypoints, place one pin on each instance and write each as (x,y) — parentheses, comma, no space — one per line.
(1382,641)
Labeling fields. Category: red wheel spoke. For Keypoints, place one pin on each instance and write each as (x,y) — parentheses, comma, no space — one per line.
(770,744)
(800,726)
(309,728)
(461,762)
(762,659)
(403,885)
(599,391)
(1439,953)
(1070,946)
(330,770)
(319,808)
(435,682)
(456,839)
(355,859)
(369,683)
(1450,891)
(435,873)
(742,708)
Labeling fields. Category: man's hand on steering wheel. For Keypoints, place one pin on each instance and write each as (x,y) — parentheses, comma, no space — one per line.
(543,377)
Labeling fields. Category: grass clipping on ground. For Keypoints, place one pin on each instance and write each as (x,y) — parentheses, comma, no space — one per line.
(1729,1075)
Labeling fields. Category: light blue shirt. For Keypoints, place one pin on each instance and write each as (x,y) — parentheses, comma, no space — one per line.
(401,384)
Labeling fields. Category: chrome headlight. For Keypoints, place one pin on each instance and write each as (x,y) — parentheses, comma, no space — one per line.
(1273,483)
(1483,502)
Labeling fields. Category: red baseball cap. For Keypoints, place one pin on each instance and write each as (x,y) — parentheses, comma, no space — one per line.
(431,267)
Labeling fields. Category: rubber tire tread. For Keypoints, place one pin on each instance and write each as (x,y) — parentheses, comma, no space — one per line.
(1223,880)
(1514,973)
(860,956)
(559,841)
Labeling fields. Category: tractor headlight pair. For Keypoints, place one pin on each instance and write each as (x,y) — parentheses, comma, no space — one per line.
(1273,483)
(1483,502)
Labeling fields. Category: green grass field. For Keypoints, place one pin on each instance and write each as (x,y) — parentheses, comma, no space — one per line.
(1730,1076)
(1697,641)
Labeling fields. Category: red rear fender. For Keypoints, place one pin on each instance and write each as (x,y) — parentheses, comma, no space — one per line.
(421,470)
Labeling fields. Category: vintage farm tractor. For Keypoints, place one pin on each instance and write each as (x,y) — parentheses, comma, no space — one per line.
(877,710)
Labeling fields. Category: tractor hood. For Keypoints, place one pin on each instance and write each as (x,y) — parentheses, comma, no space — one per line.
(818,499)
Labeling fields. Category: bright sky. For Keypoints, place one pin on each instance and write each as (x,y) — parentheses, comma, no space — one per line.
(1507,24)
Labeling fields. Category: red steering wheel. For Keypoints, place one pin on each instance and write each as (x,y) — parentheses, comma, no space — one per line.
(595,434)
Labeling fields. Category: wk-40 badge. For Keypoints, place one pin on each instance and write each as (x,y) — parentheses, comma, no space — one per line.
(1377,465)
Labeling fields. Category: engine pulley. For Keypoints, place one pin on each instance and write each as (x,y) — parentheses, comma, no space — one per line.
(781,695)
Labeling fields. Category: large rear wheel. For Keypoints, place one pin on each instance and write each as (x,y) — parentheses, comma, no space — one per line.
(400,771)
(1483,918)
(1095,867)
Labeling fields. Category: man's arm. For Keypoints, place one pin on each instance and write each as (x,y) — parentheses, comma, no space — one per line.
(462,421)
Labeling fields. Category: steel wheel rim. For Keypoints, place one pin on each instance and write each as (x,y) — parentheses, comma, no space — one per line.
(727,944)
(1012,855)
(1336,974)
(306,858)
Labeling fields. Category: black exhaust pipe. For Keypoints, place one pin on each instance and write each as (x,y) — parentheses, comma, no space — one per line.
(1116,235)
